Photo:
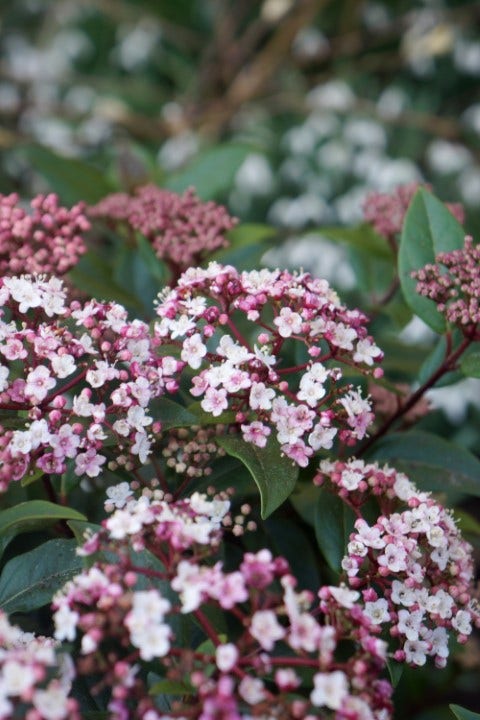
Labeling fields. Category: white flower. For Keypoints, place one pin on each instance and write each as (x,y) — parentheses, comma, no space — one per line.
(330,689)
(193,351)
(226,656)
(288,322)
(118,494)
(377,611)
(65,623)
(266,629)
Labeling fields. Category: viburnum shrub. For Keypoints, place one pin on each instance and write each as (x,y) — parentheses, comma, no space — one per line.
(225,514)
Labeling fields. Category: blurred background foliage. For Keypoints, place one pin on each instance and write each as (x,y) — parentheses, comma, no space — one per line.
(289,112)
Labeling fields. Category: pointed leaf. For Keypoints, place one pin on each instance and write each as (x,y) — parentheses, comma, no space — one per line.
(430,461)
(429,229)
(274,474)
(333,524)
(172,414)
(212,172)
(30,580)
(33,514)
(363,237)
(70,178)
(463,714)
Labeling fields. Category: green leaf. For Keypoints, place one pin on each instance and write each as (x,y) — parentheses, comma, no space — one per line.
(274,474)
(33,514)
(171,687)
(395,670)
(250,234)
(467,523)
(212,172)
(463,714)
(29,581)
(434,360)
(333,524)
(93,276)
(80,527)
(429,229)
(470,364)
(363,237)
(70,178)
(173,415)
(155,266)
(430,461)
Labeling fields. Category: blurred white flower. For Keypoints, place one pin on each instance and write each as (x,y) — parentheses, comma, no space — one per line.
(365,132)
(466,56)
(469,185)
(455,399)
(255,176)
(333,95)
(445,157)
(177,150)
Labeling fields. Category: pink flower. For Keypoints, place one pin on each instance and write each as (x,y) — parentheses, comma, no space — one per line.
(89,463)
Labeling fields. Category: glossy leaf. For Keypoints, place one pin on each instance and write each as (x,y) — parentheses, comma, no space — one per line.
(274,474)
(30,580)
(33,514)
(333,525)
(430,461)
(212,172)
(72,179)
(429,229)
(463,714)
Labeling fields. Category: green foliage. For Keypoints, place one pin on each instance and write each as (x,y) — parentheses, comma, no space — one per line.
(463,714)
(30,580)
(33,514)
(429,229)
(333,524)
(274,474)
(430,461)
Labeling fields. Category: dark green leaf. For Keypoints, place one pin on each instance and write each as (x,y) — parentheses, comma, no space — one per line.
(171,687)
(212,172)
(33,514)
(30,580)
(432,363)
(429,229)
(93,275)
(463,714)
(362,237)
(71,179)
(333,524)
(395,670)
(173,415)
(430,461)
(292,542)
(274,474)
(155,266)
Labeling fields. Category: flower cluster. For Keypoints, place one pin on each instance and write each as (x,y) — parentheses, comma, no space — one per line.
(74,379)
(182,229)
(213,315)
(280,657)
(386,212)
(453,283)
(46,240)
(35,677)
(411,565)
